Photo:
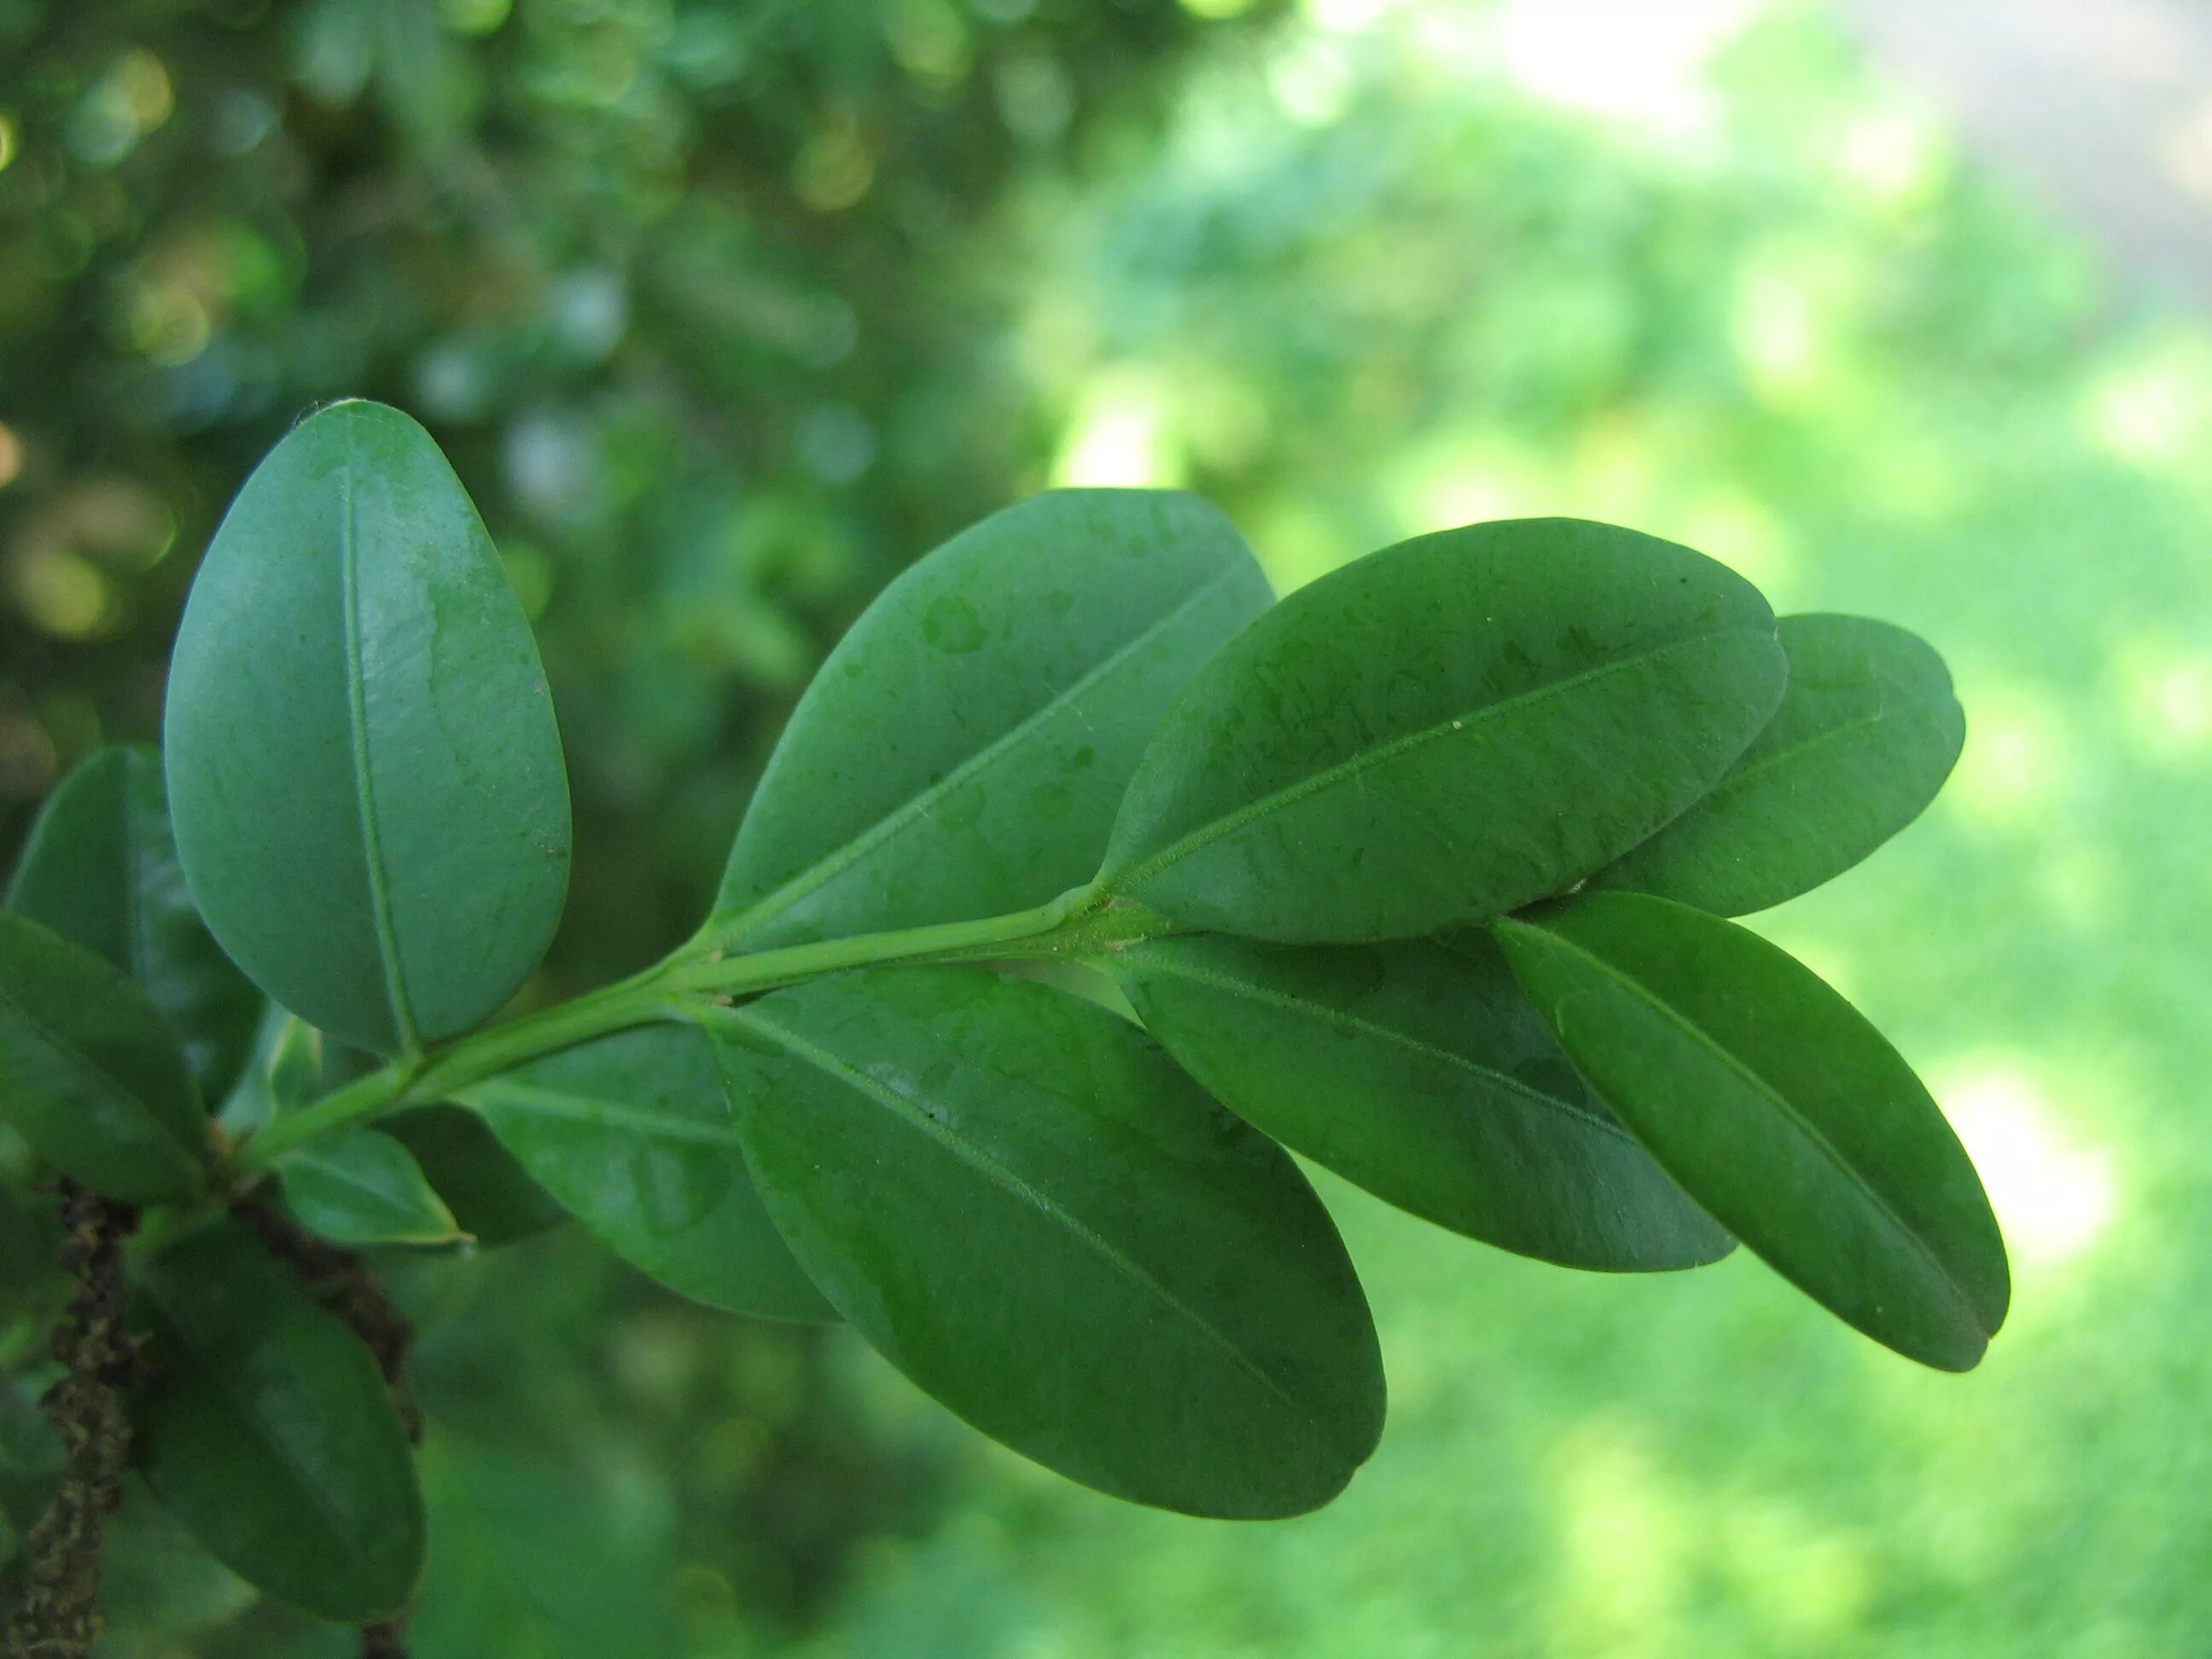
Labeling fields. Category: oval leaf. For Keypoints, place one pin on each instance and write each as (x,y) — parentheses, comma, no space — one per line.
(1780,1110)
(271,1434)
(101,868)
(91,1073)
(364,772)
(963,749)
(357,1186)
(632,1133)
(491,1196)
(1030,1212)
(1865,736)
(1448,729)
(1419,1072)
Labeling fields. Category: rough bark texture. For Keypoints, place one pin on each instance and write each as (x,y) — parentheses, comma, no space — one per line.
(59,1613)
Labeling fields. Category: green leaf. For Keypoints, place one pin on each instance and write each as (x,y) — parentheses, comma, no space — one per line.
(508,1529)
(1025,1205)
(632,1134)
(1780,1110)
(271,1434)
(101,868)
(1865,736)
(963,751)
(357,1186)
(1419,1071)
(91,1073)
(1444,731)
(364,772)
(491,1196)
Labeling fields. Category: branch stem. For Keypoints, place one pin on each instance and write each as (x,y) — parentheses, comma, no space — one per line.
(1081,922)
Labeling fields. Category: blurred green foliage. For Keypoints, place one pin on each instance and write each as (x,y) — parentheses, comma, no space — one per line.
(1377,268)
(707,301)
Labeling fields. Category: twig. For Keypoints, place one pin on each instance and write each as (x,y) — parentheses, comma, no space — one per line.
(59,1615)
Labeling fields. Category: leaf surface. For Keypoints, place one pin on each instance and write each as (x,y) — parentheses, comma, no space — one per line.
(101,868)
(364,772)
(1026,1205)
(961,751)
(632,1134)
(1420,1072)
(272,1435)
(1866,734)
(91,1073)
(358,1187)
(1780,1110)
(1444,731)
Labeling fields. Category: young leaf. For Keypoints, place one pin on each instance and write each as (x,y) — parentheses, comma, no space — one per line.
(632,1133)
(1779,1109)
(101,868)
(1419,1071)
(1444,731)
(963,751)
(361,1188)
(364,772)
(1864,737)
(91,1073)
(1024,1204)
(271,1434)
(491,1196)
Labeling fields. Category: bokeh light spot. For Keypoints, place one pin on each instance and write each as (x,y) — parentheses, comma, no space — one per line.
(1120,435)
(2053,1197)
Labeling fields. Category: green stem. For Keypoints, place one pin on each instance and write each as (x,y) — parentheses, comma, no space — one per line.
(1077,923)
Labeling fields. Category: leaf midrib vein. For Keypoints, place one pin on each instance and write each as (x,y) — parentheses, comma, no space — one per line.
(588,1109)
(71,1052)
(1460,725)
(221,1382)
(839,860)
(1850,729)
(1008,1181)
(364,785)
(1807,1130)
(1221,982)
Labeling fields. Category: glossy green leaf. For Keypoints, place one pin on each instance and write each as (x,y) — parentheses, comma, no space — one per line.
(491,1196)
(271,1434)
(962,753)
(632,1133)
(1419,1071)
(364,772)
(1779,1109)
(101,868)
(1446,730)
(1864,737)
(356,1187)
(91,1073)
(1033,1213)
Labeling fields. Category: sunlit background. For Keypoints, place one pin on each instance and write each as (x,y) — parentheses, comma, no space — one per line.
(727,309)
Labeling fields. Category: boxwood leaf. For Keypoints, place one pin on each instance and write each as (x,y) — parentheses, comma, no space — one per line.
(963,751)
(91,1074)
(1865,736)
(101,868)
(357,1186)
(1779,1109)
(271,1434)
(1448,729)
(632,1133)
(491,1196)
(364,772)
(1419,1071)
(1026,1205)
